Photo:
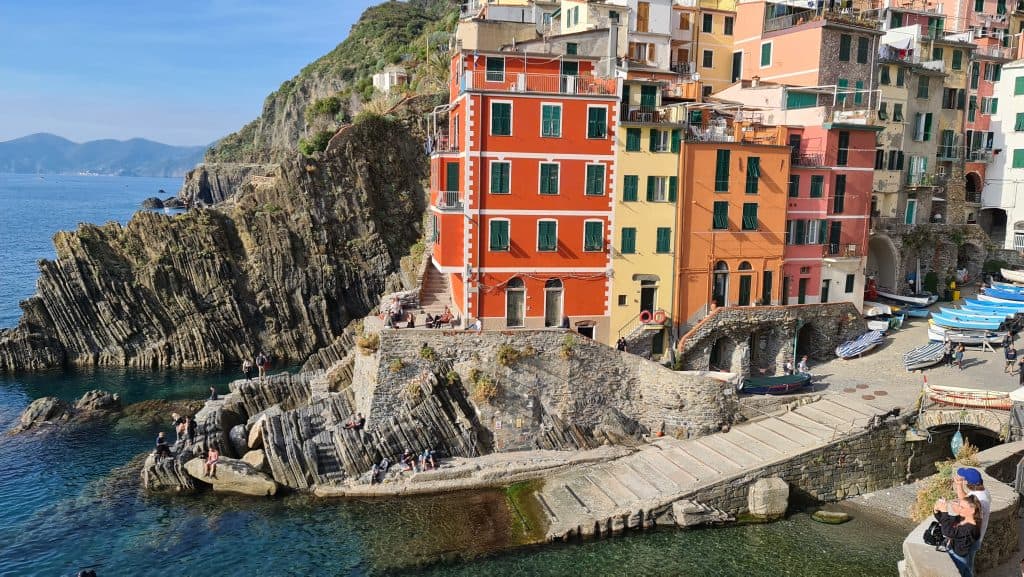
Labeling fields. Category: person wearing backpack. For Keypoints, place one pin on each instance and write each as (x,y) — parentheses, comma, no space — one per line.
(968,482)
(961,527)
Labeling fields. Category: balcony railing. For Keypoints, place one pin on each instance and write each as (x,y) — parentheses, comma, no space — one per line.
(979,156)
(993,52)
(440,143)
(491,81)
(1018,241)
(812,160)
(711,132)
(449,200)
(841,250)
(682,67)
(845,16)
(922,179)
(947,152)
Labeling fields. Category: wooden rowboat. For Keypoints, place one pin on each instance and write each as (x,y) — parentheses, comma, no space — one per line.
(779,385)
(969,398)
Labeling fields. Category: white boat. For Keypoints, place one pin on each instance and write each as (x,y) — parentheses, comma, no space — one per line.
(967,337)
(880,325)
(1012,275)
(873,309)
(997,300)
(920,299)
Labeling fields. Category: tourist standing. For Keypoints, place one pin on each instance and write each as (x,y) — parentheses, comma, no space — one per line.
(1011,359)
(247,368)
(1020,370)
(621,344)
(968,481)
(190,429)
(803,367)
(787,366)
(958,356)
(947,353)
(262,363)
(213,393)
(162,448)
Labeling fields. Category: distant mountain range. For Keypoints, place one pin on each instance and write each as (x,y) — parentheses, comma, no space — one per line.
(49,153)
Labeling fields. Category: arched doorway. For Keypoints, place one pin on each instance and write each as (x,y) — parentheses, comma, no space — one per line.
(993,222)
(515,303)
(721,354)
(808,340)
(720,286)
(972,187)
(746,281)
(552,302)
(970,257)
(882,261)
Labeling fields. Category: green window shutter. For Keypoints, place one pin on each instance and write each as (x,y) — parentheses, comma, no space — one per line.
(451,180)
(975,74)
(549,179)
(628,245)
(664,240)
(843,149)
(495,69)
(753,174)
(571,48)
(547,236)
(499,235)
(841,85)
(937,53)
(653,141)
(844,47)
(800,232)
(501,119)
(839,194)
(794,185)
(551,122)
(766,54)
(979,5)
(797,100)
(677,136)
(928,126)
(722,171)
(499,177)
(858,96)
(884,76)
(595,179)
(593,236)
(817,185)
(1018,125)
(650,189)
(1018,158)
(1001,7)
(648,96)
(630,183)
(862,50)
(822,232)
(972,108)
(901,76)
(895,20)
(673,188)
(720,221)
(750,216)
(1018,85)
(993,106)
(597,123)
(922,87)
(883,114)
(958,59)
(632,139)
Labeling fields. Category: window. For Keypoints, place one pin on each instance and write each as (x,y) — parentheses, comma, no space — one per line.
(632,139)
(630,183)
(993,72)
(707,23)
(677,137)
(664,242)
(979,5)
(949,98)
(922,87)
(895,20)
(495,69)
(841,90)
(595,180)
(684,21)
(500,171)
(839,194)
(501,118)
(937,53)
(901,76)
(975,74)
(989,105)
(817,185)
(708,60)
(627,244)
(972,108)
(961,98)
(858,96)
(897,112)
(958,59)
(766,287)
(843,153)
(451,176)
(551,120)
(883,76)
(548,178)
(722,171)
(844,47)
(728,26)
(622,300)
(1018,85)
(657,189)
(720,220)
(862,50)
(547,235)
(766,54)
(593,236)
(659,141)
(891,165)
(571,48)
(850,280)
(1018,125)
(750,216)
(597,122)
(1001,7)
(499,235)
(515,303)
(879,159)
(794,185)
(753,174)
(435,228)
(797,100)
(882,113)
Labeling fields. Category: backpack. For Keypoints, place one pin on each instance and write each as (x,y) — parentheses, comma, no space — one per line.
(933,535)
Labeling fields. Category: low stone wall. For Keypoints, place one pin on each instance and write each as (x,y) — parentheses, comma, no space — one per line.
(998,467)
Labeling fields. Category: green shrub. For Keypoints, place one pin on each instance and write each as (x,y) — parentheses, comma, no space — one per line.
(316,143)
(994,265)
(940,485)
(485,390)
(428,354)
(509,355)
(931,282)
(368,344)
(324,108)
(568,344)
(396,365)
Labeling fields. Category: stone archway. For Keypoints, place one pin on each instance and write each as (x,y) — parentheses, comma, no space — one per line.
(972,187)
(722,353)
(971,256)
(980,422)
(808,341)
(882,260)
(993,222)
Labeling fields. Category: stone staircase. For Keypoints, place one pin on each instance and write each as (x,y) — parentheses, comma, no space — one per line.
(435,292)
(612,496)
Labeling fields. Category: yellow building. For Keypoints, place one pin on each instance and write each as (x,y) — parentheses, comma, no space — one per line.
(646,189)
(717,63)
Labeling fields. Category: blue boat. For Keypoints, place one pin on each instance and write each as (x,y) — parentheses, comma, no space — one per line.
(1003,286)
(918,313)
(860,345)
(955,322)
(1005,295)
(973,314)
(989,311)
(987,304)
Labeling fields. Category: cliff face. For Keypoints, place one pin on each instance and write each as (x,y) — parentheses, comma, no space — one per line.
(215,182)
(284,267)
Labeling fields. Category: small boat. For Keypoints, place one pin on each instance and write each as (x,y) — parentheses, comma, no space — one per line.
(1004,295)
(779,385)
(896,321)
(973,314)
(969,398)
(920,299)
(878,324)
(918,312)
(1012,275)
(924,356)
(967,337)
(860,345)
(991,312)
(998,301)
(1015,288)
(873,309)
(975,303)
(961,322)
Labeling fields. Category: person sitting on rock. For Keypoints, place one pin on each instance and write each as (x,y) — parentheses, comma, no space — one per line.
(408,461)
(162,448)
(410,321)
(360,422)
(212,458)
(351,422)
(428,321)
(374,473)
(446,317)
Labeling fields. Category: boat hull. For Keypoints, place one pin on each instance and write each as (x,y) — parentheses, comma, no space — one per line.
(973,314)
(1012,275)
(1005,295)
(872,309)
(921,300)
(966,337)
(918,313)
(964,323)
(775,385)
(860,345)
(924,356)
(970,398)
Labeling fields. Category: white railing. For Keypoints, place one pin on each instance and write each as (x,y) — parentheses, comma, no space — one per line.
(488,81)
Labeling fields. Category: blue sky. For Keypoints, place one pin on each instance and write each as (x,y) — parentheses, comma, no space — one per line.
(180,72)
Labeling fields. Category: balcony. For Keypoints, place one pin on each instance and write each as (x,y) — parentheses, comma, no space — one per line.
(808,160)
(849,17)
(490,81)
(683,67)
(651,115)
(924,179)
(949,152)
(449,200)
(440,143)
(996,52)
(710,132)
(839,250)
(979,156)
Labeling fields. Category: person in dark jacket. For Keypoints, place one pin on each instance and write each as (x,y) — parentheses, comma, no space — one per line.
(961,526)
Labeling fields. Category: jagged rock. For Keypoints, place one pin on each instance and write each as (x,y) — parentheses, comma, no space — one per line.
(43,411)
(166,474)
(152,203)
(173,202)
(214,423)
(691,514)
(97,400)
(258,460)
(768,498)
(212,183)
(618,429)
(255,440)
(239,439)
(234,476)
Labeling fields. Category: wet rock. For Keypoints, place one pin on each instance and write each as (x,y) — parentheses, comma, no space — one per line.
(155,412)
(152,203)
(173,202)
(234,476)
(768,498)
(44,411)
(97,400)
(830,517)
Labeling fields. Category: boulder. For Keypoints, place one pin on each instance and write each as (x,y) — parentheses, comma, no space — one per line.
(691,514)
(166,474)
(618,429)
(239,439)
(258,460)
(234,476)
(830,517)
(152,203)
(768,498)
(46,410)
(97,400)
(173,202)
(255,440)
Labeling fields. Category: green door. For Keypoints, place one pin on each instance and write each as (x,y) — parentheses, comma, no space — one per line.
(451,181)
(745,290)
(648,97)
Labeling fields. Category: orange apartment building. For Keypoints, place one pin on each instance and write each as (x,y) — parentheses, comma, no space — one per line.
(521,187)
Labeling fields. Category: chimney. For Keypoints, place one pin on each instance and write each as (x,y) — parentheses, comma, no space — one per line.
(613,48)
(755,81)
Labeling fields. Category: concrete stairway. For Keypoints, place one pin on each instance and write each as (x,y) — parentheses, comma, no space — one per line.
(613,495)
(435,293)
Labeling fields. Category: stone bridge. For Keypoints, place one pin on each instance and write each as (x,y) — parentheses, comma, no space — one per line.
(994,421)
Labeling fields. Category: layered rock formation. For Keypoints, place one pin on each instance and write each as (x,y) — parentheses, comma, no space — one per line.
(50,411)
(213,183)
(284,267)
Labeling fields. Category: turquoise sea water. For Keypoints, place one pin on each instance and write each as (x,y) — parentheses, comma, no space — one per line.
(71,501)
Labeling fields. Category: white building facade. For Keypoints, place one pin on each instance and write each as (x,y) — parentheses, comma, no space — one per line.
(1004,182)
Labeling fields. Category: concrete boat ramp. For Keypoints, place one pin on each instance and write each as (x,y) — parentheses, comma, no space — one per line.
(634,491)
